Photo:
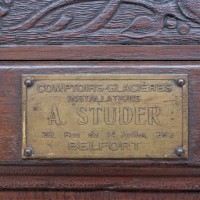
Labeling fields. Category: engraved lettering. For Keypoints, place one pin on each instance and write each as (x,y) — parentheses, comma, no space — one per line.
(100,98)
(58,88)
(47,134)
(83,146)
(72,146)
(105,116)
(40,88)
(93,135)
(125,145)
(55,117)
(68,134)
(111,134)
(119,115)
(139,115)
(111,88)
(102,146)
(110,116)
(164,134)
(125,115)
(136,145)
(114,146)
(134,134)
(83,118)
(153,115)
(95,114)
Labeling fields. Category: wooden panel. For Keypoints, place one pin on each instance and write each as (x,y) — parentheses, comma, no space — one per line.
(126,174)
(77,22)
(116,52)
(99,29)
(41,195)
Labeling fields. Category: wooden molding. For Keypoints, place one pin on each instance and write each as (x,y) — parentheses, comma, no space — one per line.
(99,53)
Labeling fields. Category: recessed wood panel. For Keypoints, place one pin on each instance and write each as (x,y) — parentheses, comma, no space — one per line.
(116,174)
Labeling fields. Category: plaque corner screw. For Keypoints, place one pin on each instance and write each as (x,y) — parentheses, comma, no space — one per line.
(28,151)
(180,151)
(180,82)
(28,82)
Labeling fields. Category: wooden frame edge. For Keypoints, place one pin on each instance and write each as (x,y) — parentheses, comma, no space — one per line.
(118,52)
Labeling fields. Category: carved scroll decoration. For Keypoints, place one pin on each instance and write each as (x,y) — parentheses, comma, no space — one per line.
(176,15)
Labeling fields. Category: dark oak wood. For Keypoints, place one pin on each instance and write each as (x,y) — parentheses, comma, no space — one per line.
(100,22)
(99,30)
(117,175)
(102,183)
(41,195)
(100,52)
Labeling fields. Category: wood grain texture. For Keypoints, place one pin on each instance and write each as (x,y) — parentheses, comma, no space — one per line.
(98,22)
(42,195)
(100,52)
(102,183)
(117,175)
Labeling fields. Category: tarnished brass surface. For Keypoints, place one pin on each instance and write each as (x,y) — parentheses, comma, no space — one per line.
(105,116)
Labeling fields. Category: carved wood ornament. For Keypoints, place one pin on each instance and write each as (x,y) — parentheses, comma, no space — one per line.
(100,21)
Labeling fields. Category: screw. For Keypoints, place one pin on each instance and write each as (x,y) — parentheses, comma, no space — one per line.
(180,151)
(28,82)
(28,151)
(180,82)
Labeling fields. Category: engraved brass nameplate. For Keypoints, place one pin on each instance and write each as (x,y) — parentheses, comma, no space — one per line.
(105,116)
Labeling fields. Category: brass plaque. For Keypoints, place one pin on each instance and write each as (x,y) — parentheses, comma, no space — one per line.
(105,116)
